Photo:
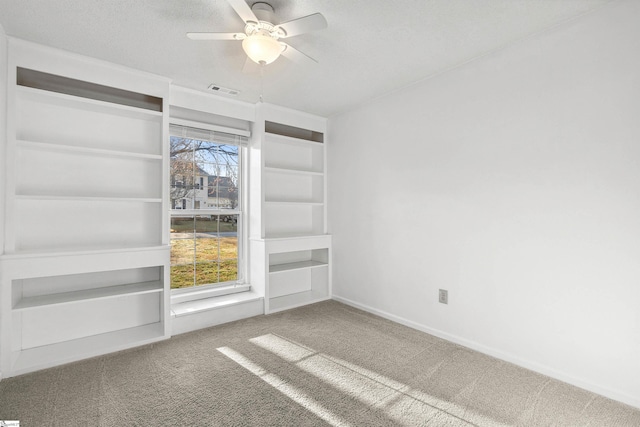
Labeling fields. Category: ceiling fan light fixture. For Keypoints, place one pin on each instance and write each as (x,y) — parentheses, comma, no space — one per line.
(262,48)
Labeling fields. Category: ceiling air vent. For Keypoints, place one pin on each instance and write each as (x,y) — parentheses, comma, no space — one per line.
(224,90)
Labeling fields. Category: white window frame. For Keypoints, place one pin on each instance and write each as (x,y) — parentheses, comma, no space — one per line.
(221,288)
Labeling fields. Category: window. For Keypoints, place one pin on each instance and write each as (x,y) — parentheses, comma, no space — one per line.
(206,216)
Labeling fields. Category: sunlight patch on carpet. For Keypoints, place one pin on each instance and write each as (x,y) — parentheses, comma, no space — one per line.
(288,390)
(399,401)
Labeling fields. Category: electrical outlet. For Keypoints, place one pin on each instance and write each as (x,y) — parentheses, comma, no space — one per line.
(443,296)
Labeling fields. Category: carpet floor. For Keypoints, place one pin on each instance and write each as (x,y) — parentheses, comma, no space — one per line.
(319,365)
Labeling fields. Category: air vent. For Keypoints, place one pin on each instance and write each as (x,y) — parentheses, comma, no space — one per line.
(225,90)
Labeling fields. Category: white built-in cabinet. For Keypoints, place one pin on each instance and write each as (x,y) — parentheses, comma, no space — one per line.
(293,186)
(81,164)
(85,262)
(291,254)
(298,271)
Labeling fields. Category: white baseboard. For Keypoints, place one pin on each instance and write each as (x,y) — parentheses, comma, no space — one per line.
(524,363)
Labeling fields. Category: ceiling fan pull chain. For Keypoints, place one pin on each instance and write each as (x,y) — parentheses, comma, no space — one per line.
(262,65)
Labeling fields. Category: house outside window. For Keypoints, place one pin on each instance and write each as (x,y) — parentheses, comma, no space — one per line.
(205,196)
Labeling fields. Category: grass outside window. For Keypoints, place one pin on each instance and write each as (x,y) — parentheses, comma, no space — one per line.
(203,251)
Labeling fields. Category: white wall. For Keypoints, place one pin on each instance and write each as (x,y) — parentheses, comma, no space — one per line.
(514,182)
(3,127)
(3,139)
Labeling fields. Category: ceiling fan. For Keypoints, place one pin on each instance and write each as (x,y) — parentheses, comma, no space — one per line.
(261,39)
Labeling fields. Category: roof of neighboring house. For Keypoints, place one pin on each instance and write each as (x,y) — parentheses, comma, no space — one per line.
(220,186)
(200,171)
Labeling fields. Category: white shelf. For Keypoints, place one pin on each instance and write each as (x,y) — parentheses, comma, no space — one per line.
(86,150)
(80,250)
(279,268)
(43,197)
(293,202)
(89,294)
(292,171)
(92,250)
(82,348)
(292,235)
(286,302)
(78,102)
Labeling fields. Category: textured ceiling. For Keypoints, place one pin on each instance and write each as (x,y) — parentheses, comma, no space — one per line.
(370,47)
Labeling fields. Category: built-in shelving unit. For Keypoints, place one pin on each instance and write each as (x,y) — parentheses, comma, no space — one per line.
(298,277)
(293,224)
(294,186)
(85,258)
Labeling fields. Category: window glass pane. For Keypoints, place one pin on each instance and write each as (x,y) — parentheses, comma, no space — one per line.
(228,247)
(223,193)
(230,152)
(182,276)
(181,148)
(206,273)
(206,224)
(198,193)
(182,250)
(207,242)
(181,184)
(229,224)
(228,270)
(182,225)
(183,246)
(205,151)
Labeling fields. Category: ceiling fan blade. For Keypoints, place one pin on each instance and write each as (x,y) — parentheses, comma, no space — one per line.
(296,56)
(216,36)
(303,25)
(244,10)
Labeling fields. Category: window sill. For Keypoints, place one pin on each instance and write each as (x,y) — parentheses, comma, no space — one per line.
(198,294)
(212,303)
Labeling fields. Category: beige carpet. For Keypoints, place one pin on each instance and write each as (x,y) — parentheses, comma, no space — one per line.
(325,364)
